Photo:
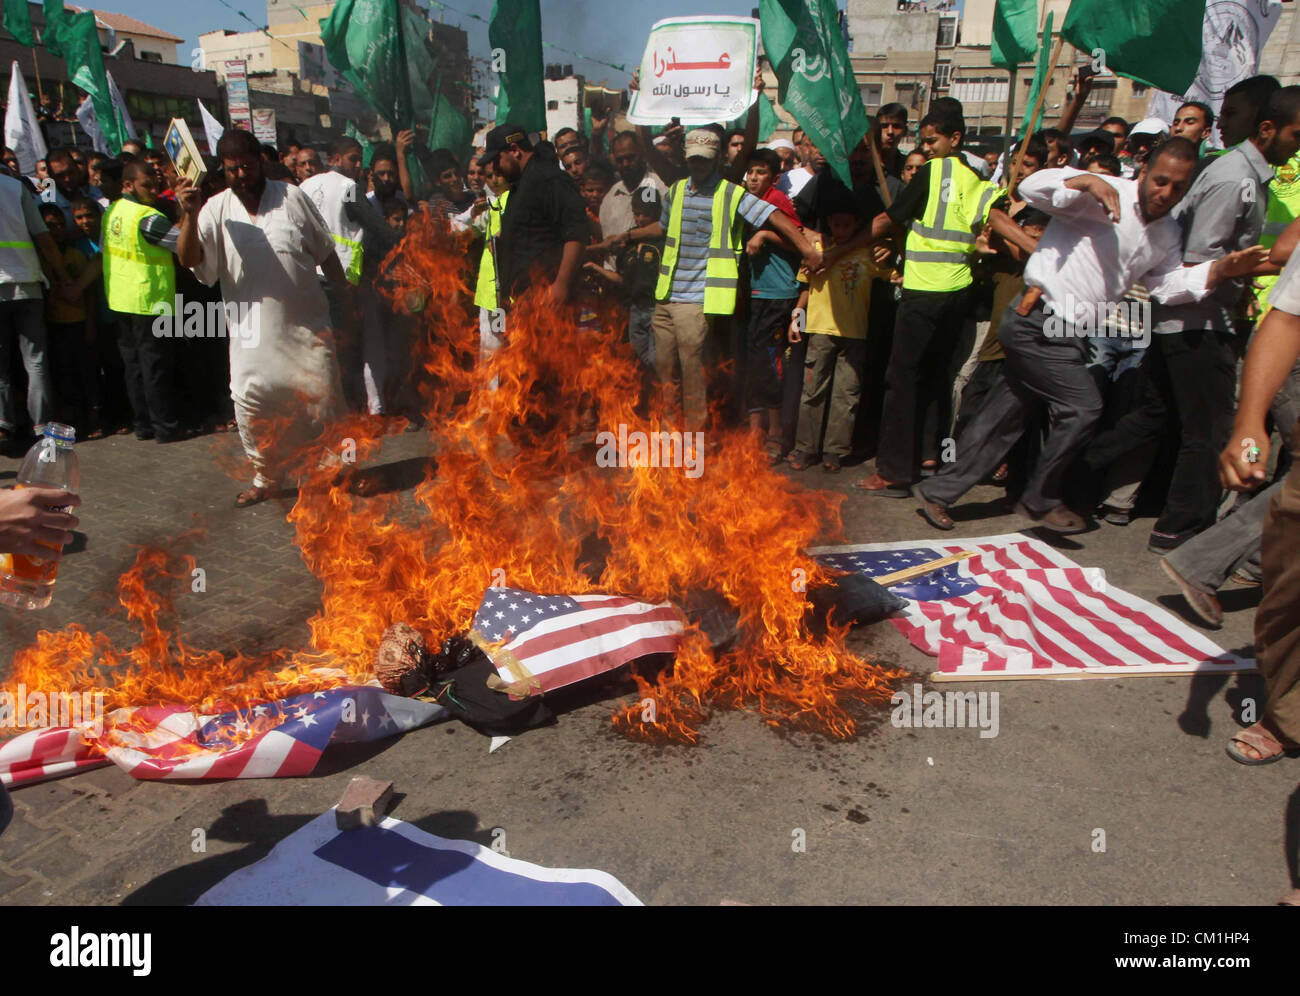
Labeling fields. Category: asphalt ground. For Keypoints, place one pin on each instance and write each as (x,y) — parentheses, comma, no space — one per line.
(895,816)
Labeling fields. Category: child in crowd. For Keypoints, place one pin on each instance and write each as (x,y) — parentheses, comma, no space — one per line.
(595,184)
(636,274)
(70,327)
(832,312)
(773,291)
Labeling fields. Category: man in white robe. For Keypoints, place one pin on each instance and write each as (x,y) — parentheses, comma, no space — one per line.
(263,239)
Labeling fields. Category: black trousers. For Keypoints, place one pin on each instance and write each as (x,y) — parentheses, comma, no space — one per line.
(918,384)
(147,362)
(765,337)
(1190,380)
(1040,370)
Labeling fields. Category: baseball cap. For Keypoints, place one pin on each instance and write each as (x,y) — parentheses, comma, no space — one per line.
(702,142)
(1149,126)
(502,137)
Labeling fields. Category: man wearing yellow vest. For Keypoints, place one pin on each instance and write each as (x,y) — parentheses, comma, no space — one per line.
(355,226)
(703,219)
(942,208)
(139,279)
(22,319)
(491,316)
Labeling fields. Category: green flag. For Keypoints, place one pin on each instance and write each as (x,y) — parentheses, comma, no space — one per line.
(1041,72)
(768,122)
(85,62)
(1015,32)
(448,128)
(148,140)
(56,24)
(364,41)
(806,47)
(367,149)
(1156,42)
(516,38)
(18,22)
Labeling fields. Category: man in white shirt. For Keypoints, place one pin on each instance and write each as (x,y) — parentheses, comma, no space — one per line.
(263,239)
(1106,235)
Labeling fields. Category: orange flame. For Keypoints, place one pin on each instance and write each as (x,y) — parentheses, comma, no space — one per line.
(513,492)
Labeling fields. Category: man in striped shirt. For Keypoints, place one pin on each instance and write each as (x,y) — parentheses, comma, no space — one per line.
(700,268)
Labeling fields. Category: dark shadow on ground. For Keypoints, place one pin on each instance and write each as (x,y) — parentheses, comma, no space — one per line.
(1203,688)
(249,823)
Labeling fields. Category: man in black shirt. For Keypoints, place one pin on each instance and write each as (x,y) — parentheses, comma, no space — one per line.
(544,226)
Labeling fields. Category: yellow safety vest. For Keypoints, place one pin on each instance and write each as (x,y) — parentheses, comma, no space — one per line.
(485,289)
(1283,208)
(726,243)
(940,242)
(137,273)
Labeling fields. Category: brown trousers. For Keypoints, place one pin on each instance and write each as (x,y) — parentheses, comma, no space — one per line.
(1277,621)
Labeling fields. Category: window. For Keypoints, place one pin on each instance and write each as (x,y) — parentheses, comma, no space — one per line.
(552,105)
(947,31)
(942,74)
(1101,96)
(151,57)
(871,95)
(1140,89)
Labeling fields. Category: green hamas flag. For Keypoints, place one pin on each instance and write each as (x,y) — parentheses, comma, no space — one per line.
(367,149)
(768,122)
(1156,42)
(18,22)
(1041,72)
(365,42)
(85,61)
(515,34)
(56,24)
(448,128)
(816,84)
(1015,32)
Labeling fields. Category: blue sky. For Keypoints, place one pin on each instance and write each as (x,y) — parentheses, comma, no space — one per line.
(612,30)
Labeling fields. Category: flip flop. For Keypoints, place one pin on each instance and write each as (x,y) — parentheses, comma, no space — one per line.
(1259,739)
(878,486)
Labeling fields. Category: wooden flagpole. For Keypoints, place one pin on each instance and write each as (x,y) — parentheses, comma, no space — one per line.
(1038,106)
(40,94)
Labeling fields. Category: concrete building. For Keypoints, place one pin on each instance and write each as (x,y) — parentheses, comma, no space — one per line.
(894,52)
(143,61)
(1281,56)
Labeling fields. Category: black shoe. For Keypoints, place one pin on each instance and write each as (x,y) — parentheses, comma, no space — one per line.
(174,437)
(144,436)
(1164,542)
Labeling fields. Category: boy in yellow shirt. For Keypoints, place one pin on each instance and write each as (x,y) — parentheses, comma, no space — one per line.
(832,312)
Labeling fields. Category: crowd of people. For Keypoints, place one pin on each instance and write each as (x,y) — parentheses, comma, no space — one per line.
(1066,321)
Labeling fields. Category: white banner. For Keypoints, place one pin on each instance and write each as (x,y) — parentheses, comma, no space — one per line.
(211,128)
(128,126)
(698,70)
(22,131)
(1234,34)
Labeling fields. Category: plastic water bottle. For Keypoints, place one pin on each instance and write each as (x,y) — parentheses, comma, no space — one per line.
(28,582)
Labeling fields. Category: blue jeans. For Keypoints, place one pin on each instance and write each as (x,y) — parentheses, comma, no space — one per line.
(640,334)
(22,324)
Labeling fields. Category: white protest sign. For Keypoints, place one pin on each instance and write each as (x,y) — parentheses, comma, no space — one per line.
(698,70)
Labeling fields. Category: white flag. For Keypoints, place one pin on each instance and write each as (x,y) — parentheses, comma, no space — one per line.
(90,125)
(1233,35)
(212,128)
(22,131)
(128,126)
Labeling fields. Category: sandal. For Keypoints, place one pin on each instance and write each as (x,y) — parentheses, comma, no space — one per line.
(932,511)
(253,496)
(877,485)
(1261,741)
(832,464)
(773,448)
(800,461)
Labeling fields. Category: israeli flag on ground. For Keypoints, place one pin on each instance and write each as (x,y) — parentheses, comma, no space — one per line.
(396,864)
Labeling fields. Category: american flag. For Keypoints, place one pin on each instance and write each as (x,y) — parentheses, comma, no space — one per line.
(275,739)
(1019,609)
(542,642)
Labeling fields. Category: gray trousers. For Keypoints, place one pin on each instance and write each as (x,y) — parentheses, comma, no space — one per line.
(1039,370)
(22,330)
(1232,544)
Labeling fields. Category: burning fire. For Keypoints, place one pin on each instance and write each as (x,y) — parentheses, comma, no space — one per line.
(512,493)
